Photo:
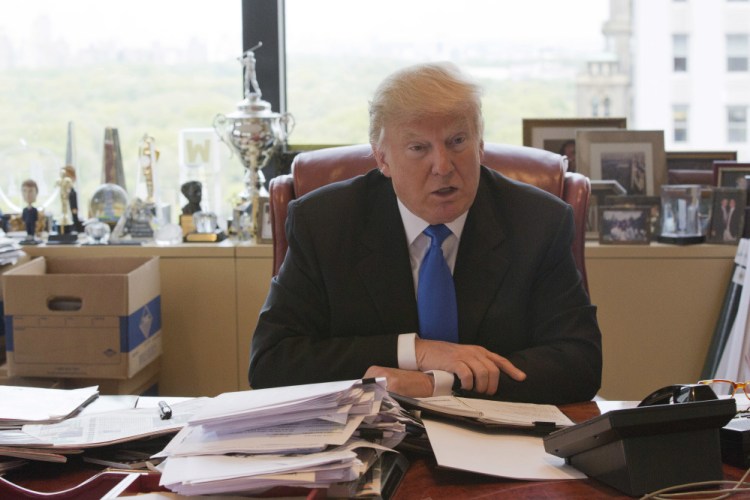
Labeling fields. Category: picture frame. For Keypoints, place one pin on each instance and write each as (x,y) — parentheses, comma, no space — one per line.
(624,226)
(730,174)
(697,160)
(727,215)
(599,191)
(264,234)
(652,203)
(634,158)
(557,134)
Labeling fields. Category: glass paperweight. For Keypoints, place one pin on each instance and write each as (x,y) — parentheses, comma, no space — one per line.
(168,234)
(108,204)
(97,231)
(680,214)
(205,222)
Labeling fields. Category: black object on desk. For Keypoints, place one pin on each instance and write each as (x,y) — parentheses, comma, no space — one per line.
(735,442)
(639,450)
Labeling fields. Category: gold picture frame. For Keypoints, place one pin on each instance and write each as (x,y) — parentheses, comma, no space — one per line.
(264,232)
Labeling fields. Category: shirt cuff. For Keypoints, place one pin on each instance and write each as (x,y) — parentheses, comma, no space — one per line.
(407,353)
(443,382)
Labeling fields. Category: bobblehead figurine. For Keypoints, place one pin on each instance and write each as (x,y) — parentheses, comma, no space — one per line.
(30,215)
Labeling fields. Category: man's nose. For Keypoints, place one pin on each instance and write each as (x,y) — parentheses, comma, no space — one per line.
(442,163)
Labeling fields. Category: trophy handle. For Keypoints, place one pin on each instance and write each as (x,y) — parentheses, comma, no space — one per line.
(220,127)
(286,126)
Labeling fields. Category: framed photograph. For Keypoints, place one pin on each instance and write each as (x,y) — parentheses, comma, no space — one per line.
(624,226)
(731,174)
(652,203)
(727,215)
(263,221)
(634,158)
(558,135)
(599,191)
(697,160)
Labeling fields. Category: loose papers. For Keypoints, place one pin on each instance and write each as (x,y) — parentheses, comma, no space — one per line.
(22,405)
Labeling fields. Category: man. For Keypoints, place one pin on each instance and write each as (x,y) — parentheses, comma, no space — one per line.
(346,301)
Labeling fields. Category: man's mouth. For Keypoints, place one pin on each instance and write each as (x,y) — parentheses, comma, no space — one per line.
(445,191)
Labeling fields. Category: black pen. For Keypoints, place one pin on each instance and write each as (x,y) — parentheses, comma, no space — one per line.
(165,412)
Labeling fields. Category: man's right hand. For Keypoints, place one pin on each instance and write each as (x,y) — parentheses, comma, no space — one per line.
(478,368)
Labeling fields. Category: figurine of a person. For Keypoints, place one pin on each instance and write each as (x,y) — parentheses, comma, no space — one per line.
(30,215)
(69,200)
(251,80)
(193,191)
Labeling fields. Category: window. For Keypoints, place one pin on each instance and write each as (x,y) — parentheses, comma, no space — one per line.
(680,122)
(337,51)
(680,52)
(737,124)
(737,52)
(139,66)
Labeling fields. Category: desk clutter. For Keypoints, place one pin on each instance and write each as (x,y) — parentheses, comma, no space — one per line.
(345,438)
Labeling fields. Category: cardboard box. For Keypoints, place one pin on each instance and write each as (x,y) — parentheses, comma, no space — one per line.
(83,318)
(4,269)
(144,383)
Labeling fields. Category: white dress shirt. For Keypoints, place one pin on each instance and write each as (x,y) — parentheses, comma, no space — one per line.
(418,243)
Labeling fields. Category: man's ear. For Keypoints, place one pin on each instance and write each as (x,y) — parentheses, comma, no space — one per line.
(481,151)
(379,155)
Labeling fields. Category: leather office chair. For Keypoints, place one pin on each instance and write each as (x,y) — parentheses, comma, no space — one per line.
(313,169)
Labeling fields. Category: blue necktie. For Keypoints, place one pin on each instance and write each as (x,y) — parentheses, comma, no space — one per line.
(436,294)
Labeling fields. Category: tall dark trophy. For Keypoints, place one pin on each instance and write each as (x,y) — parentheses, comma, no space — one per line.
(256,134)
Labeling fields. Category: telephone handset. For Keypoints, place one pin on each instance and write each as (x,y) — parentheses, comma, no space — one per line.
(681,393)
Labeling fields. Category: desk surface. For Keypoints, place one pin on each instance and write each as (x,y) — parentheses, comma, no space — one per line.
(422,480)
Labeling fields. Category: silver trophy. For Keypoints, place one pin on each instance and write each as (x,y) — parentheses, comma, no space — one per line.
(256,134)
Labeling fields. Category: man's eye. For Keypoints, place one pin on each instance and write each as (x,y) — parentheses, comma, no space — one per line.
(416,148)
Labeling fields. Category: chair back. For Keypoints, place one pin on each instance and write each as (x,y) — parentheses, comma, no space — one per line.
(313,169)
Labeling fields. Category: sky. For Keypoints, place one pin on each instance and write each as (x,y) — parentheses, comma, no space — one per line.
(316,23)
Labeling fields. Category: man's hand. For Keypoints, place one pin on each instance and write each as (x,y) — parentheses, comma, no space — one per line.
(478,368)
(405,382)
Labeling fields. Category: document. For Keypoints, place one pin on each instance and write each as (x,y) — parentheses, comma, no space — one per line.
(511,455)
(488,413)
(22,405)
(100,429)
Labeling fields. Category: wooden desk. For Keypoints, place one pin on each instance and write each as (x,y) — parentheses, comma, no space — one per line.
(422,480)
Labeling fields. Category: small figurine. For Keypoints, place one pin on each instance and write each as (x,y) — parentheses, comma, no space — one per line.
(248,63)
(69,221)
(30,214)
(193,191)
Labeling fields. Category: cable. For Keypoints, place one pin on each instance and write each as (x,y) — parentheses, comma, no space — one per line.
(740,486)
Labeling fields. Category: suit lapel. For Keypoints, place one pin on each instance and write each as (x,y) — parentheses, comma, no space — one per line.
(481,264)
(383,264)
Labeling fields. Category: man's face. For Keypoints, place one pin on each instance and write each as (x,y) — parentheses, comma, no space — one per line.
(434,165)
(29,194)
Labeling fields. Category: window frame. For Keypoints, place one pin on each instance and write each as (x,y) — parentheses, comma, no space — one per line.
(264,21)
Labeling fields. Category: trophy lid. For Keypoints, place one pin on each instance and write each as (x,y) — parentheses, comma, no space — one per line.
(253,106)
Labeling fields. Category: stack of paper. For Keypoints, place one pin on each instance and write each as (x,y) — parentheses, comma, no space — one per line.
(303,436)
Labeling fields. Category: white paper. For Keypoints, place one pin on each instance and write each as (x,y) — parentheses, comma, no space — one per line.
(32,404)
(510,455)
(112,427)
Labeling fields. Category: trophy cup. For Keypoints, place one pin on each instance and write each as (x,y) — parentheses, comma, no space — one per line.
(256,134)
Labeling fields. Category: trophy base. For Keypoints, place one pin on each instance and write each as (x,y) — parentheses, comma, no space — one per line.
(62,239)
(214,237)
(30,241)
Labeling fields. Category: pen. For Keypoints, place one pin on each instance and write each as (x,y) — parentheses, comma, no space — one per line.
(165,412)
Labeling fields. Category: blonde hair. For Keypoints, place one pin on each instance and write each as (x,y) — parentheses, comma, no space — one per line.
(423,91)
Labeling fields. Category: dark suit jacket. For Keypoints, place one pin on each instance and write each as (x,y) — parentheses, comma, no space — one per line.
(345,291)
